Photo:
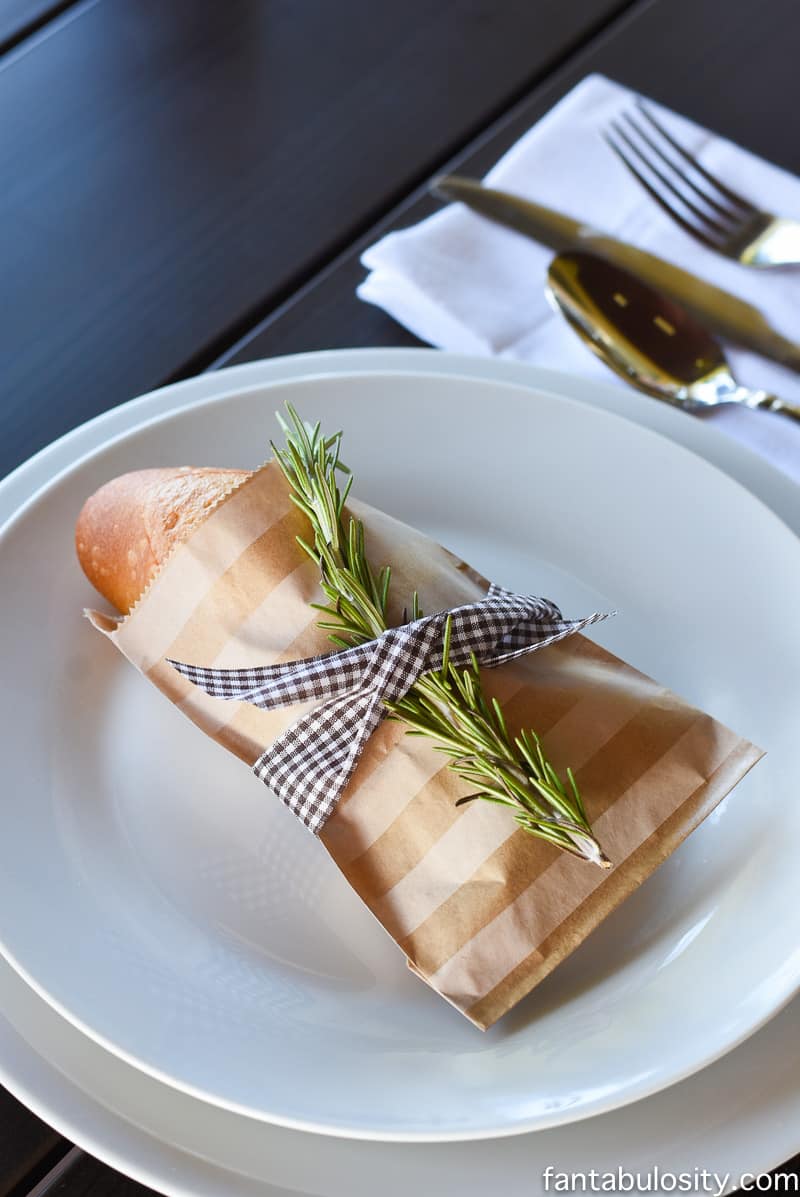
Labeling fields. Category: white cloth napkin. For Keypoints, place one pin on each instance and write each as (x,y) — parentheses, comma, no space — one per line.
(464,284)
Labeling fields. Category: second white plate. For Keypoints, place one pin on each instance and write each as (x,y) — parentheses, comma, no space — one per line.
(167,925)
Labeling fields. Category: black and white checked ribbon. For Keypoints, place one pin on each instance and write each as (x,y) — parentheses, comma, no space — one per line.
(310,764)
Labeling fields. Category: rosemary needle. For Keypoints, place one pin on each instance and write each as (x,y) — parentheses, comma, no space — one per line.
(447,706)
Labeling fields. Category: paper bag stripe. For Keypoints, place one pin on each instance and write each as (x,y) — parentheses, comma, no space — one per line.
(408,839)
(468,836)
(226,606)
(379,791)
(480,898)
(220,611)
(274,625)
(275,612)
(350,835)
(521,860)
(432,810)
(639,865)
(231,600)
(527,922)
(147,633)
(443,871)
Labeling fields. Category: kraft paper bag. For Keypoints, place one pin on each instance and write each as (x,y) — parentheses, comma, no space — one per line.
(482,910)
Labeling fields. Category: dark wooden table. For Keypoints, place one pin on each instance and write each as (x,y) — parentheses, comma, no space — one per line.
(189,183)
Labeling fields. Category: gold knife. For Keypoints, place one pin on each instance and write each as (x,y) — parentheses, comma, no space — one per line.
(726,314)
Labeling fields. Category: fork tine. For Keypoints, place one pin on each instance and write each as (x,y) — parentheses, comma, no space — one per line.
(724,210)
(710,225)
(679,219)
(733,196)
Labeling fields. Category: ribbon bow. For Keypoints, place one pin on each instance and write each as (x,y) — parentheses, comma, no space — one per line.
(310,764)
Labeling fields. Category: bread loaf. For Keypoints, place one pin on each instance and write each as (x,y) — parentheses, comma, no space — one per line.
(129,527)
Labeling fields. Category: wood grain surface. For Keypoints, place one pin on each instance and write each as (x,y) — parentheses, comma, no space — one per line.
(691,55)
(176,169)
(28,1148)
(78,1175)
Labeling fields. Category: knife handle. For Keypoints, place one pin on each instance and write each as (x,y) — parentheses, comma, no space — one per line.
(720,311)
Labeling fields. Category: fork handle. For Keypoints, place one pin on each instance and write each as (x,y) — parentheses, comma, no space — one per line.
(773,403)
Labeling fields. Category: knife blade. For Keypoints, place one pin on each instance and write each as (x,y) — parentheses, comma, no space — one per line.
(721,311)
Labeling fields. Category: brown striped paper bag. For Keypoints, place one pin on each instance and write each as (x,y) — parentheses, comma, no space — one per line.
(482,910)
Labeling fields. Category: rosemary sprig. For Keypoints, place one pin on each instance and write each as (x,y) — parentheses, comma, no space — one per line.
(447,706)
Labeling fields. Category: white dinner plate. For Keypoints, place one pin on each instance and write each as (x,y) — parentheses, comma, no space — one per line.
(158,926)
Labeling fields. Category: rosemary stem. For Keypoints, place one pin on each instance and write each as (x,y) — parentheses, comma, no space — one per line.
(447,706)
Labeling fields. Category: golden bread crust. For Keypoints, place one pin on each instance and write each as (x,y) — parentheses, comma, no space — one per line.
(128,528)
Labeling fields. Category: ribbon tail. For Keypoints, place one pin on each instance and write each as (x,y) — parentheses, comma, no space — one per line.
(233,684)
(559,630)
(309,765)
(328,676)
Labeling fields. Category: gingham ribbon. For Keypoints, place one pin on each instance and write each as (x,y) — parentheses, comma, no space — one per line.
(310,764)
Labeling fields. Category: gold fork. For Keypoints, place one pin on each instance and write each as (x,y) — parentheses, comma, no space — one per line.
(704,207)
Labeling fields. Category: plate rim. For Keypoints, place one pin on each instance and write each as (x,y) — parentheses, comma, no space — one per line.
(323,376)
(677,426)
